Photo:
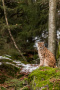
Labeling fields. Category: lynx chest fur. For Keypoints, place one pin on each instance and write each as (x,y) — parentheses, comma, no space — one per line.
(46,57)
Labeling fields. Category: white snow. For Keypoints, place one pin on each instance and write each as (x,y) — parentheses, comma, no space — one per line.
(29,68)
(17,62)
(4,57)
(25,67)
(58,34)
(0,63)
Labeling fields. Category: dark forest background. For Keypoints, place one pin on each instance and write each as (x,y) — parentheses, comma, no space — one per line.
(28,22)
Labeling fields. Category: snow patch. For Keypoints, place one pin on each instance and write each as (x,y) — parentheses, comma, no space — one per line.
(0,63)
(4,57)
(24,67)
(29,68)
(58,34)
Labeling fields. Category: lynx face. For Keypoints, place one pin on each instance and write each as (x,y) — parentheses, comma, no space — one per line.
(40,45)
(46,57)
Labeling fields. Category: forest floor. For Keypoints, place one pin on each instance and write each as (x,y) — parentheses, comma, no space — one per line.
(13,80)
(14,74)
(44,78)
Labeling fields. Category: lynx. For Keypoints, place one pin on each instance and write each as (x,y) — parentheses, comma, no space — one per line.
(46,57)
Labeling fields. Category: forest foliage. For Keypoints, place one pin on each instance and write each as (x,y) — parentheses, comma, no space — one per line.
(27,19)
(28,22)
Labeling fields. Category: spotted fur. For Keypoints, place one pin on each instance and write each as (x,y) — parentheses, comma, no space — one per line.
(46,57)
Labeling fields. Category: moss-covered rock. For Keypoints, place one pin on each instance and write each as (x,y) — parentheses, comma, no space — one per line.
(45,78)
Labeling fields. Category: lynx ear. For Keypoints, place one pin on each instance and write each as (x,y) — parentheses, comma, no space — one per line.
(41,43)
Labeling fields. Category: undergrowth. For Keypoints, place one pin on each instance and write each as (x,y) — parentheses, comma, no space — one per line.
(45,77)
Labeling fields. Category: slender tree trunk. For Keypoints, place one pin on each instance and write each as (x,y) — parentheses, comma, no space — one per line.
(10,32)
(52,26)
(59,53)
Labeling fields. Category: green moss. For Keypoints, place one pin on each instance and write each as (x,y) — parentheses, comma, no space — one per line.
(44,76)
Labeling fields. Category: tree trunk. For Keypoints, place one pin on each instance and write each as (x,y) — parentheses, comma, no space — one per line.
(52,26)
(10,32)
(59,53)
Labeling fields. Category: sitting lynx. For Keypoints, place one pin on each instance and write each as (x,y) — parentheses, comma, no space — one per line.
(46,57)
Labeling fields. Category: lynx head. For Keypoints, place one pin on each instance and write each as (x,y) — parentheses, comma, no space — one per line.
(40,45)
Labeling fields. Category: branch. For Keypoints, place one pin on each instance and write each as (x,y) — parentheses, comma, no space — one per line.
(10,32)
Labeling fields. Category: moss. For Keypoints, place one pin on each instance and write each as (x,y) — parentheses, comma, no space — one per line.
(45,76)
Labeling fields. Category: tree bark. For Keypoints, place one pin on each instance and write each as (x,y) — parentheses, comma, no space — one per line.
(52,26)
(10,32)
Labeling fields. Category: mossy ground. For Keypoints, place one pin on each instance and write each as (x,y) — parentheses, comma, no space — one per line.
(10,78)
(45,78)
(13,84)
